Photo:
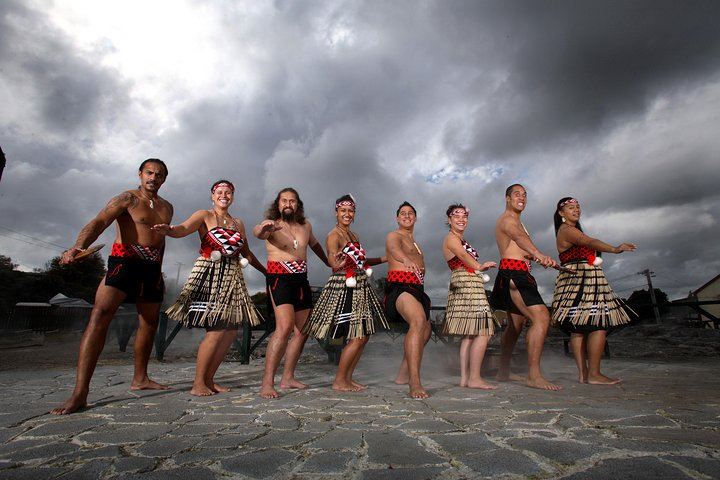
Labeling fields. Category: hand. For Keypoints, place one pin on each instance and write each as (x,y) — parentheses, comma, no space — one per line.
(163,228)
(625,247)
(68,255)
(487,266)
(270,226)
(411,266)
(545,261)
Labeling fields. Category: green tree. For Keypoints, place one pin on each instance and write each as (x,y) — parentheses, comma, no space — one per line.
(78,279)
(641,302)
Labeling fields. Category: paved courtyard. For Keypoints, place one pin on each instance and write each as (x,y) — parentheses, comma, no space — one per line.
(663,421)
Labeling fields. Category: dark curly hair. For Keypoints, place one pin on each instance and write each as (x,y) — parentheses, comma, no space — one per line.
(273,212)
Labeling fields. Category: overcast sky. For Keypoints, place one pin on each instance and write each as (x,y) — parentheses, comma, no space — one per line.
(614,102)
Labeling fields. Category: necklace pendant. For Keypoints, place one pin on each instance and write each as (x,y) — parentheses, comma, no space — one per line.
(152,204)
(295,244)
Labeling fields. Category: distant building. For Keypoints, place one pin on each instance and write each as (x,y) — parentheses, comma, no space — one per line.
(710,291)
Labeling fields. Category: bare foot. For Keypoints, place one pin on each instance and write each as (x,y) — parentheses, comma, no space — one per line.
(292,383)
(345,387)
(509,377)
(201,391)
(543,384)
(217,388)
(402,379)
(72,405)
(148,384)
(602,380)
(268,392)
(481,384)
(418,393)
(360,386)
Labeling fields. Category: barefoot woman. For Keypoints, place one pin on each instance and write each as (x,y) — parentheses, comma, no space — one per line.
(348,306)
(583,304)
(468,311)
(215,296)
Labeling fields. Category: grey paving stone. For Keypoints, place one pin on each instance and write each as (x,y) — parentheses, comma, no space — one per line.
(125,433)
(459,444)
(630,468)
(706,438)
(44,452)
(395,448)
(502,462)
(260,464)
(282,439)
(87,470)
(203,456)
(558,451)
(32,473)
(230,440)
(328,463)
(704,465)
(134,464)
(422,473)
(165,447)
(183,473)
(64,426)
(339,439)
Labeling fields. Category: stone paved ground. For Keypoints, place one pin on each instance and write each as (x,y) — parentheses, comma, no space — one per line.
(663,421)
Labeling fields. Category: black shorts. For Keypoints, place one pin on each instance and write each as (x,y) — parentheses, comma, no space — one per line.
(292,288)
(394,289)
(140,279)
(525,283)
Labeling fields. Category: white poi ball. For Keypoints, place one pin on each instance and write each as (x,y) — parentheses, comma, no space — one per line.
(350,282)
(597,262)
(215,256)
(368,272)
(244,262)
(485,277)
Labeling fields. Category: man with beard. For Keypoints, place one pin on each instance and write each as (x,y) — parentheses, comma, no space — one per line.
(287,235)
(133,275)
(516,292)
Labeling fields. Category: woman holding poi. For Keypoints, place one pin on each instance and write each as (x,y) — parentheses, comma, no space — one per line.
(347,307)
(215,296)
(468,312)
(583,304)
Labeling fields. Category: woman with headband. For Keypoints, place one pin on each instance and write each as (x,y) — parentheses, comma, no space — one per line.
(347,307)
(468,312)
(583,303)
(215,296)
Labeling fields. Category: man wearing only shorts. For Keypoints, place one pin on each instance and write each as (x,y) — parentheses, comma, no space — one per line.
(133,276)
(287,235)
(515,291)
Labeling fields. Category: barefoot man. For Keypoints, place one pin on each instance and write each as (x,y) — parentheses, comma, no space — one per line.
(405,298)
(133,275)
(516,292)
(287,235)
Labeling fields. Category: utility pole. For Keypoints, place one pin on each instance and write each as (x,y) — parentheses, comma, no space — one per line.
(177,278)
(648,274)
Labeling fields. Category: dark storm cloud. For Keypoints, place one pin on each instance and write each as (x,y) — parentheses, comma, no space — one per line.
(575,67)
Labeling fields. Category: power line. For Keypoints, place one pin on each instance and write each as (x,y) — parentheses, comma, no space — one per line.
(46,245)
(34,239)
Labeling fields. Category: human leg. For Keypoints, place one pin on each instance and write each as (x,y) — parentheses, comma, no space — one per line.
(578,344)
(348,360)
(417,336)
(148,319)
(107,301)
(596,347)
(202,385)
(294,350)
(465,359)
(284,324)
(477,348)
(515,324)
(226,341)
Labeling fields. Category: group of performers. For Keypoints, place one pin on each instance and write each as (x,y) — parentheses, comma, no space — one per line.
(215,296)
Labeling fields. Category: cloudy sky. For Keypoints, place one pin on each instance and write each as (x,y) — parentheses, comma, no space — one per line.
(614,102)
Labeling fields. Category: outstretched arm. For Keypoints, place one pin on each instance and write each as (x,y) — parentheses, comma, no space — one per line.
(90,232)
(576,237)
(515,231)
(455,246)
(192,224)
